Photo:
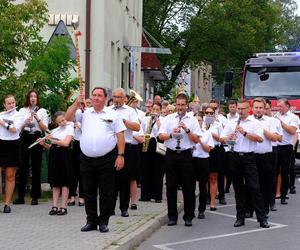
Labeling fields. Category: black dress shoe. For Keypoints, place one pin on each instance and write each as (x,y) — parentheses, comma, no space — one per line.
(172,223)
(239,223)
(133,207)
(6,209)
(201,215)
(188,223)
(88,227)
(19,201)
(292,190)
(222,201)
(124,213)
(213,209)
(273,207)
(248,215)
(103,228)
(34,202)
(283,201)
(71,203)
(62,211)
(264,224)
(53,211)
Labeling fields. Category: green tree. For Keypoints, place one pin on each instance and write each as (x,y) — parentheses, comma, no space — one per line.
(222,33)
(19,36)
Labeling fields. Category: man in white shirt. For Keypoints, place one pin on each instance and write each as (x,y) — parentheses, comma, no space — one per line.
(263,151)
(246,133)
(289,123)
(102,144)
(180,132)
(126,175)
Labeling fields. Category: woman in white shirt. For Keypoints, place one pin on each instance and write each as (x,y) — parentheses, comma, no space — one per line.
(60,162)
(201,165)
(10,126)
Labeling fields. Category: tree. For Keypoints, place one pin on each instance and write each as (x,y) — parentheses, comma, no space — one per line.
(19,37)
(222,33)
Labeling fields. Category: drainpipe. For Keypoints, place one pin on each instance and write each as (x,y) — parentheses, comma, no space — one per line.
(88,48)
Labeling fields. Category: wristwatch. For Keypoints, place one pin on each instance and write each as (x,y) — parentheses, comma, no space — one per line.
(245,133)
(188,131)
(121,154)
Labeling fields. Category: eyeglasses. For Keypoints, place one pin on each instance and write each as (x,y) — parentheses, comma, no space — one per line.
(209,113)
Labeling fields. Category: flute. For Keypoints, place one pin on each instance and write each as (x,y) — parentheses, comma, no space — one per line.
(45,137)
(8,111)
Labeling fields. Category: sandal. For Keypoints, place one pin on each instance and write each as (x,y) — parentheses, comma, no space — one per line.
(80,204)
(62,211)
(53,211)
(133,207)
(71,203)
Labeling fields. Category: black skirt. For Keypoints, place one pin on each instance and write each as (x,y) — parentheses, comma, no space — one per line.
(216,159)
(134,162)
(10,153)
(60,166)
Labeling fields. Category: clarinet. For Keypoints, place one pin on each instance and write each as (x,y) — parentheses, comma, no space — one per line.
(178,147)
(238,123)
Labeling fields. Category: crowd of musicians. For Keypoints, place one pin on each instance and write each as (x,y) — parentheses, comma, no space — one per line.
(105,150)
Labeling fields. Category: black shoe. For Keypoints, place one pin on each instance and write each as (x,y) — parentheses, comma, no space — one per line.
(292,190)
(222,201)
(264,224)
(188,223)
(19,201)
(103,228)
(88,227)
(34,202)
(239,223)
(213,209)
(172,223)
(201,215)
(53,211)
(71,203)
(6,209)
(273,207)
(62,211)
(133,207)
(124,213)
(283,201)
(80,204)
(248,215)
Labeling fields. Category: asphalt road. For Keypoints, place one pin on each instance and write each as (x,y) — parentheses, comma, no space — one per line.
(216,231)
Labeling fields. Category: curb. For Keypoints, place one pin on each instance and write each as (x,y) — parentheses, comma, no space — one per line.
(136,237)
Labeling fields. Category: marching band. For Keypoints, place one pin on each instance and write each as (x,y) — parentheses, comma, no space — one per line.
(121,148)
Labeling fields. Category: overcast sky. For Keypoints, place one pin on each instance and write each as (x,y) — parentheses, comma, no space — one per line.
(298,3)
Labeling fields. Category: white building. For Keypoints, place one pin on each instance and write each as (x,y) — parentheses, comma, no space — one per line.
(108,27)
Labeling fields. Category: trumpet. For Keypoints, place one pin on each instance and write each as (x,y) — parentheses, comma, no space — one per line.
(133,95)
(8,111)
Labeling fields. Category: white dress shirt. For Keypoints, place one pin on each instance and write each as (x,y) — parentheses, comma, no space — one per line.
(137,133)
(41,114)
(266,145)
(16,120)
(292,120)
(234,117)
(206,138)
(243,144)
(172,121)
(129,114)
(154,131)
(222,119)
(215,128)
(99,131)
(61,133)
(276,123)
(142,119)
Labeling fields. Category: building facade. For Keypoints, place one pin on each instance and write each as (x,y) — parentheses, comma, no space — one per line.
(109,28)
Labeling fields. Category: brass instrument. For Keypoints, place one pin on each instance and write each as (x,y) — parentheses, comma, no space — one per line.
(147,135)
(133,95)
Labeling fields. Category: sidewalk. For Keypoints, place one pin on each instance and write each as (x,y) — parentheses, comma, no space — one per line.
(30,227)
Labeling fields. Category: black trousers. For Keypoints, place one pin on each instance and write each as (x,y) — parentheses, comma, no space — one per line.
(228,169)
(283,166)
(179,169)
(274,175)
(122,183)
(201,171)
(264,169)
(98,175)
(76,178)
(221,173)
(245,176)
(30,158)
(152,173)
(292,168)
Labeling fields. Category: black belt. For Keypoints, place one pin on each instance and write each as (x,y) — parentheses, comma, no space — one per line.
(180,151)
(267,153)
(244,153)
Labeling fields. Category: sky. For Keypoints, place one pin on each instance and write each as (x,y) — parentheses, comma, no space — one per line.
(298,3)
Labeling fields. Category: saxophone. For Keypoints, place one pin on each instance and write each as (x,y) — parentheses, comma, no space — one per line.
(147,135)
